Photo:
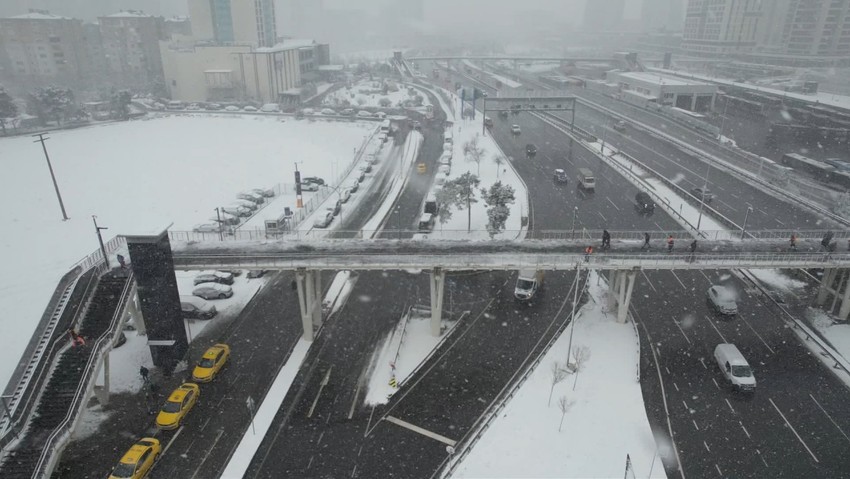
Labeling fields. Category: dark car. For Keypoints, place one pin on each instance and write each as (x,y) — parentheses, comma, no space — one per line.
(313,179)
(644,203)
(256,273)
(530,150)
(503,114)
(703,194)
(561,176)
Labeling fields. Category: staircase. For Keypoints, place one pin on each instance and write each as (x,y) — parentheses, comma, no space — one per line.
(59,391)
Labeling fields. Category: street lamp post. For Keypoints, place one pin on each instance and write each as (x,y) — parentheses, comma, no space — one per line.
(100,240)
(702,195)
(604,131)
(744,227)
(218,218)
(41,140)
(398,220)
(723,119)
(575,215)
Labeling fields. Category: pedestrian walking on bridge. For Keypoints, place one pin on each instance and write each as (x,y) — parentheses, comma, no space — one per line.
(645,241)
(670,243)
(606,239)
(793,242)
(693,250)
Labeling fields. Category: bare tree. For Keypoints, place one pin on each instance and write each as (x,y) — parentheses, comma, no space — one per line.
(564,405)
(580,356)
(474,153)
(558,375)
(499,160)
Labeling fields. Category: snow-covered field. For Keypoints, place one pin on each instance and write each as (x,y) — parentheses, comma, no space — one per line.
(138,176)
(370,94)
(604,418)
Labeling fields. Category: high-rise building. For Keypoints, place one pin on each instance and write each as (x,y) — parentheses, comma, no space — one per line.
(302,18)
(131,46)
(721,27)
(662,15)
(43,49)
(234,21)
(603,15)
(817,27)
(772,26)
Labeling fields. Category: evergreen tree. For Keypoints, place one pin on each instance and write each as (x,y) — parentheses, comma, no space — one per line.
(8,109)
(498,197)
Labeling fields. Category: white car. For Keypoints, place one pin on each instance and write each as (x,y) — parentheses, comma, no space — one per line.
(231,108)
(323,218)
(328,111)
(270,108)
(213,291)
(381,115)
(345,195)
(207,228)
(309,187)
(515,129)
(308,111)
(249,108)
(354,185)
(445,169)
(364,114)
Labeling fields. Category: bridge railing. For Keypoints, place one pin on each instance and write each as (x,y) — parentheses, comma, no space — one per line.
(580,235)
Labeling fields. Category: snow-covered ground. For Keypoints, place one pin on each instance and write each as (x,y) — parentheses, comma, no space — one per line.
(138,175)
(604,420)
(370,94)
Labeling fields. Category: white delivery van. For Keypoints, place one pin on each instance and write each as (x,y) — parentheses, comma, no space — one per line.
(734,367)
(426,222)
(586,179)
(527,283)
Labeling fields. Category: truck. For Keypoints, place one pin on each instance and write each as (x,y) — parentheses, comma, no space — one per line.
(527,283)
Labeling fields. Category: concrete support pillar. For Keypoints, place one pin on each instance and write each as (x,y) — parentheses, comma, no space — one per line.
(438,281)
(628,286)
(844,311)
(694,102)
(614,279)
(305,289)
(135,312)
(317,298)
(102,393)
(825,286)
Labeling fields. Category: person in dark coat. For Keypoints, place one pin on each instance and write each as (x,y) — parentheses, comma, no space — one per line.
(645,241)
(122,262)
(606,239)
(669,243)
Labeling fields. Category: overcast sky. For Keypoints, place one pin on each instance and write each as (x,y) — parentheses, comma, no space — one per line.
(437,12)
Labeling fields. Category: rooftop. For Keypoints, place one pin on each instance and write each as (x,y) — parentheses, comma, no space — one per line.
(288,44)
(39,16)
(661,79)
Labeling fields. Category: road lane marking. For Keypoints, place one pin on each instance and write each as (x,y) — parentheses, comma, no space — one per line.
(369,424)
(320,438)
(676,386)
(706,446)
(704,275)
(830,418)
(417,429)
(777,220)
(715,328)
(715,383)
(679,280)
(658,226)
(172,440)
(686,405)
(793,430)
(205,423)
(745,430)
(612,203)
(360,451)
(718,470)
(354,403)
(703,363)
(757,334)
(354,471)
(643,272)
(695,424)
(207,455)
(730,405)
(319,393)
(762,458)
(310,463)
(683,332)
(603,217)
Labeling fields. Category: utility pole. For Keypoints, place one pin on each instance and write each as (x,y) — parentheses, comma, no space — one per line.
(41,140)
(100,240)
(218,217)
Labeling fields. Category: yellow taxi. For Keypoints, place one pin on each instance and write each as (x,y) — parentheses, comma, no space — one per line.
(179,404)
(211,363)
(138,461)
(421,168)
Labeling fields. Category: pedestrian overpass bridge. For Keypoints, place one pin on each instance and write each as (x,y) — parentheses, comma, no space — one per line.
(622,261)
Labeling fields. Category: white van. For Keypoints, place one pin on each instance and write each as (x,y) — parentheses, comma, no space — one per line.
(586,179)
(527,283)
(430,205)
(734,367)
(426,222)
(385,127)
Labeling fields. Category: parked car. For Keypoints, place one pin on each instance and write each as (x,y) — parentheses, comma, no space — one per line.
(252,197)
(323,218)
(270,108)
(722,300)
(179,403)
(138,461)
(561,176)
(256,273)
(366,168)
(266,192)
(213,107)
(247,204)
(227,219)
(196,308)
(237,210)
(328,111)
(250,108)
(381,115)
(309,186)
(703,194)
(308,111)
(214,277)
(211,363)
(313,179)
(445,169)
(364,114)
(207,228)
(361,176)
(620,125)
(213,291)
(231,108)
(347,112)
(336,208)
(515,129)
(530,150)
(503,113)
(354,185)
(345,195)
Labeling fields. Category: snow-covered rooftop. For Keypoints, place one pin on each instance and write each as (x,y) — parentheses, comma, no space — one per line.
(129,14)
(40,16)
(660,79)
(288,44)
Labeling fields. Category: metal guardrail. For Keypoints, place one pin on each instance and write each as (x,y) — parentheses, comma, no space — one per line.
(480,426)
(60,436)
